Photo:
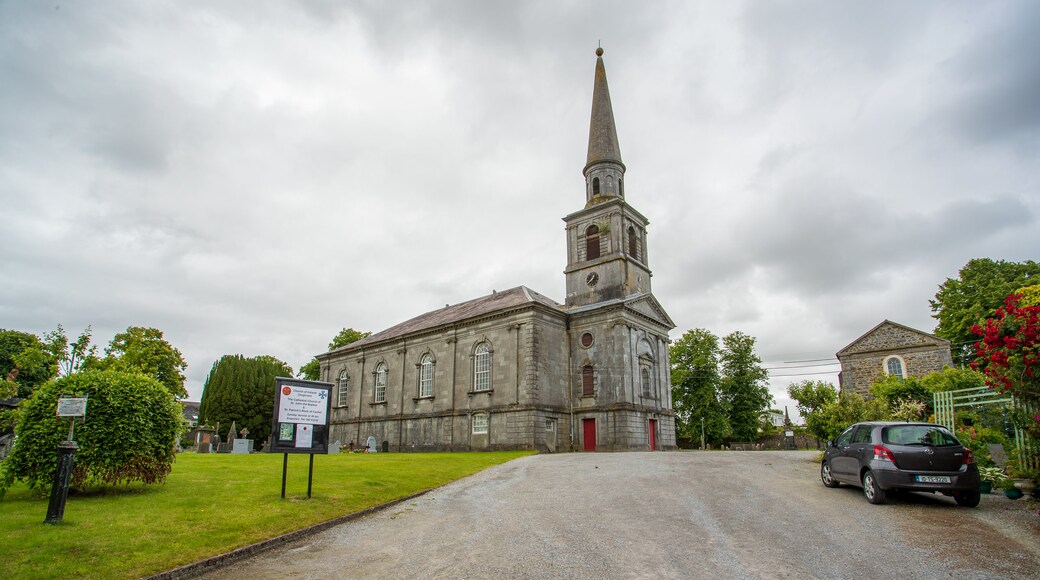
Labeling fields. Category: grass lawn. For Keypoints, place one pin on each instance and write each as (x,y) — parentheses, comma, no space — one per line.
(210,504)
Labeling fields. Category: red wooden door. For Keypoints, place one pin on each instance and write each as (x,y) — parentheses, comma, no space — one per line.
(589,430)
(653,434)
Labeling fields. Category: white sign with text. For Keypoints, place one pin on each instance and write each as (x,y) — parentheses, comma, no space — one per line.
(303,405)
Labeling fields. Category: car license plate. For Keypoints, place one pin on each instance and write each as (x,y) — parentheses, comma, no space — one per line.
(933,479)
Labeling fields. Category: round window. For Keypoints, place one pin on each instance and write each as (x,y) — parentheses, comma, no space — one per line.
(586,339)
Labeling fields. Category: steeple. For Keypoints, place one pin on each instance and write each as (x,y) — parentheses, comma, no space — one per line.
(606,239)
(603,170)
(603,141)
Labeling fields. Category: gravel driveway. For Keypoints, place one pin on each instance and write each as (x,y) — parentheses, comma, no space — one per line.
(681,514)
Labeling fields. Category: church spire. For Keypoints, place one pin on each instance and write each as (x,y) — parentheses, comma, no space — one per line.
(604,170)
(603,141)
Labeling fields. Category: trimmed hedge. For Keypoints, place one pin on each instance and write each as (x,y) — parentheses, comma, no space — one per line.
(131,427)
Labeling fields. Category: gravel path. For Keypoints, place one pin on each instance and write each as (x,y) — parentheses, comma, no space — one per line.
(682,514)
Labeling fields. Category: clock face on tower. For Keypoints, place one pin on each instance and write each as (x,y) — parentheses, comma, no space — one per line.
(591,279)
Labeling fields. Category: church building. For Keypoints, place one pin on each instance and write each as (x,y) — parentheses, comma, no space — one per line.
(515,369)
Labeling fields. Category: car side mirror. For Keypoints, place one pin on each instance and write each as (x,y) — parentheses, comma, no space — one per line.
(830,443)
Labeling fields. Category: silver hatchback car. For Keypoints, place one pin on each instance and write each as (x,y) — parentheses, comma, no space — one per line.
(887,456)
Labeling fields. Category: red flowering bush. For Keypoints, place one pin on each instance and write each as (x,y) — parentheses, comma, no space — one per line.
(1008,354)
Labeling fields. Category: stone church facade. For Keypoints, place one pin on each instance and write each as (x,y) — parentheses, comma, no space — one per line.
(890,348)
(516,370)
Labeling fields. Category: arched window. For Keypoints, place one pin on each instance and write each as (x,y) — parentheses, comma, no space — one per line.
(588,384)
(592,242)
(894,366)
(426,376)
(621,187)
(644,375)
(610,184)
(633,243)
(482,367)
(341,388)
(379,396)
(595,186)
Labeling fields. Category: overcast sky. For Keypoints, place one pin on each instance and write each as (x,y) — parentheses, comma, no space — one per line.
(250,177)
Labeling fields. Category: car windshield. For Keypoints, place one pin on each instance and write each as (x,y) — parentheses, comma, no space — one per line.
(918,435)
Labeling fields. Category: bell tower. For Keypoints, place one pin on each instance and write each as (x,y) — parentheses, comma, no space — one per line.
(606,240)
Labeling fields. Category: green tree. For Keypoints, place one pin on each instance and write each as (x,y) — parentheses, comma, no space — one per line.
(850,408)
(25,364)
(952,379)
(695,386)
(241,389)
(743,388)
(70,357)
(893,390)
(1030,295)
(144,350)
(811,398)
(129,434)
(312,369)
(971,298)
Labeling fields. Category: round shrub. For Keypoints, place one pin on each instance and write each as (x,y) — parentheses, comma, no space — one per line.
(131,427)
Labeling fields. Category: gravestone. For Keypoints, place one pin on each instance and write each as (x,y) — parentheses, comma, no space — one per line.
(372,444)
(334,447)
(386,446)
(204,441)
(242,446)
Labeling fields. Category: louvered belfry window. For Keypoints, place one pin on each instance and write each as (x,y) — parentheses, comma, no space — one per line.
(588,385)
(592,242)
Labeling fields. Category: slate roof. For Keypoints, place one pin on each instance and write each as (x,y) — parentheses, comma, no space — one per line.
(495,302)
(190,410)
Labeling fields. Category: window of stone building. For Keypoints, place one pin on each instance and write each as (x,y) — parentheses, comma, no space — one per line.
(610,184)
(633,243)
(379,396)
(644,375)
(588,384)
(482,367)
(341,388)
(894,366)
(595,186)
(586,339)
(426,376)
(592,242)
(621,187)
(480,423)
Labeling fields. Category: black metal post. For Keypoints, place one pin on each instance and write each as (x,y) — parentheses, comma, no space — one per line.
(60,489)
(285,465)
(310,476)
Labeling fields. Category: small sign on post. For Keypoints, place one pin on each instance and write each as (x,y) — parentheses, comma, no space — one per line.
(301,421)
(73,408)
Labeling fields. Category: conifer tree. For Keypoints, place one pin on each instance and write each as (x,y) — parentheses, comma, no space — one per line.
(241,390)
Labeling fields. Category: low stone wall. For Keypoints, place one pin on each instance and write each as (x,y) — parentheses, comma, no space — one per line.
(772,442)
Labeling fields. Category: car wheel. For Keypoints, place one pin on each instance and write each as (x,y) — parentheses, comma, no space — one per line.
(826,477)
(872,490)
(970,499)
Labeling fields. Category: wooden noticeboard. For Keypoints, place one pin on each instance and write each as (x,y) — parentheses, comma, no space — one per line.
(301,416)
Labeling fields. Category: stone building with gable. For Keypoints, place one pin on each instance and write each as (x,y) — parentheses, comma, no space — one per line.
(890,349)
(515,369)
